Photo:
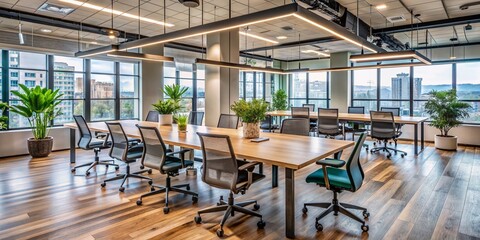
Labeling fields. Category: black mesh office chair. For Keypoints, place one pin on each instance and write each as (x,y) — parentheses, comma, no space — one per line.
(267,124)
(328,123)
(334,178)
(126,151)
(228,121)
(300,112)
(152,116)
(383,128)
(396,112)
(357,127)
(296,126)
(196,118)
(310,106)
(156,156)
(313,121)
(89,142)
(222,170)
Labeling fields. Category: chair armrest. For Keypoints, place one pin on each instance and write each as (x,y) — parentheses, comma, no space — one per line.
(249,167)
(182,155)
(331,162)
(104,136)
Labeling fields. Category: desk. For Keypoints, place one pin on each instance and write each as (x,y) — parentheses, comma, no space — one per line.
(354,117)
(281,150)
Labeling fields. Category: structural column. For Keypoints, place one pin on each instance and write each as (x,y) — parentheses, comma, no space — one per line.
(152,80)
(340,82)
(221,84)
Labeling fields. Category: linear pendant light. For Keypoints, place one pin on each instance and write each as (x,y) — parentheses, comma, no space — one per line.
(367,67)
(97,51)
(241,67)
(376,57)
(141,56)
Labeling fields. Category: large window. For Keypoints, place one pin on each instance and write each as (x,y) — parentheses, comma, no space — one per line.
(365,89)
(395,89)
(69,75)
(468,88)
(312,88)
(253,85)
(191,76)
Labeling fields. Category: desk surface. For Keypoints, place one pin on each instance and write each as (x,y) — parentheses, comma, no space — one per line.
(290,151)
(356,117)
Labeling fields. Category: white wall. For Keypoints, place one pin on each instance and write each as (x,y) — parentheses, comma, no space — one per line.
(14,142)
(467,134)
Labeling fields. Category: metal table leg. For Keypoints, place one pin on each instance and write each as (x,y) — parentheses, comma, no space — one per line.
(415,138)
(290,203)
(72,145)
(422,136)
(274,176)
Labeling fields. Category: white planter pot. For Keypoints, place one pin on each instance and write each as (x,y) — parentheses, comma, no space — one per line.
(446,143)
(165,119)
(251,130)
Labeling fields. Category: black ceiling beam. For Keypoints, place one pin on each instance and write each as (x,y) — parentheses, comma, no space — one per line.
(61,23)
(428,25)
(295,44)
(447,45)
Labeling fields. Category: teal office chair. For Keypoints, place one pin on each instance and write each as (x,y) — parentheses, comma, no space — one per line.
(335,179)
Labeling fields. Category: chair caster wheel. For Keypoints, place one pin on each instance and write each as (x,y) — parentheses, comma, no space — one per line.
(122,189)
(166,210)
(188,187)
(365,228)
(371,151)
(402,155)
(139,202)
(366,149)
(142,167)
(256,207)
(150,182)
(87,173)
(366,214)
(197,219)
(374,143)
(389,156)
(220,232)
(149,171)
(73,170)
(304,210)
(152,189)
(103,185)
(117,168)
(194,199)
(319,226)
(261,224)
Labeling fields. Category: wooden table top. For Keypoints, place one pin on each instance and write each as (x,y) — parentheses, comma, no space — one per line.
(356,117)
(283,150)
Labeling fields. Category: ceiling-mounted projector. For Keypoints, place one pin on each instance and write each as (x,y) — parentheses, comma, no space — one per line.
(190,3)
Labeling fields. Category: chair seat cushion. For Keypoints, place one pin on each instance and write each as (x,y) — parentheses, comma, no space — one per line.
(134,153)
(174,164)
(243,178)
(337,178)
(266,126)
(98,143)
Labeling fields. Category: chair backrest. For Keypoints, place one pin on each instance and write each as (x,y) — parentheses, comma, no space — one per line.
(119,141)
(360,110)
(228,121)
(327,121)
(154,150)
(152,116)
(310,106)
(382,125)
(85,134)
(219,162)
(195,118)
(394,110)
(300,112)
(354,169)
(296,126)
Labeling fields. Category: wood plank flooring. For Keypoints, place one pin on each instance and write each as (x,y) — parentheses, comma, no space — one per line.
(435,195)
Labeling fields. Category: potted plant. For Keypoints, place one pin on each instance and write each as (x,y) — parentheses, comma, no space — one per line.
(251,113)
(182,120)
(38,106)
(279,100)
(166,109)
(175,93)
(3,119)
(445,112)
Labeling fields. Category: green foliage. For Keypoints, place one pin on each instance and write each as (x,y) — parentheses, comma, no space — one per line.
(3,119)
(182,120)
(250,112)
(175,92)
(279,100)
(38,106)
(168,106)
(446,110)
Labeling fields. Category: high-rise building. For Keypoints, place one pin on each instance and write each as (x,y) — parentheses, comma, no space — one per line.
(63,79)
(401,90)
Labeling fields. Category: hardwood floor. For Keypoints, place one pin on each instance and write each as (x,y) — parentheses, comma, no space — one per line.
(435,195)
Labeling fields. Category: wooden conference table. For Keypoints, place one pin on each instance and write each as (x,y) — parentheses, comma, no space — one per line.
(355,117)
(289,151)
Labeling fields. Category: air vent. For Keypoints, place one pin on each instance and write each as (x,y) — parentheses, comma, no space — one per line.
(47,7)
(287,28)
(395,19)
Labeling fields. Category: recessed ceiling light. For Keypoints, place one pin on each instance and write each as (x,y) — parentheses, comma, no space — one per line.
(258,37)
(94,42)
(381,6)
(45,30)
(453,57)
(281,37)
(55,9)
(116,12)
(316,52)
